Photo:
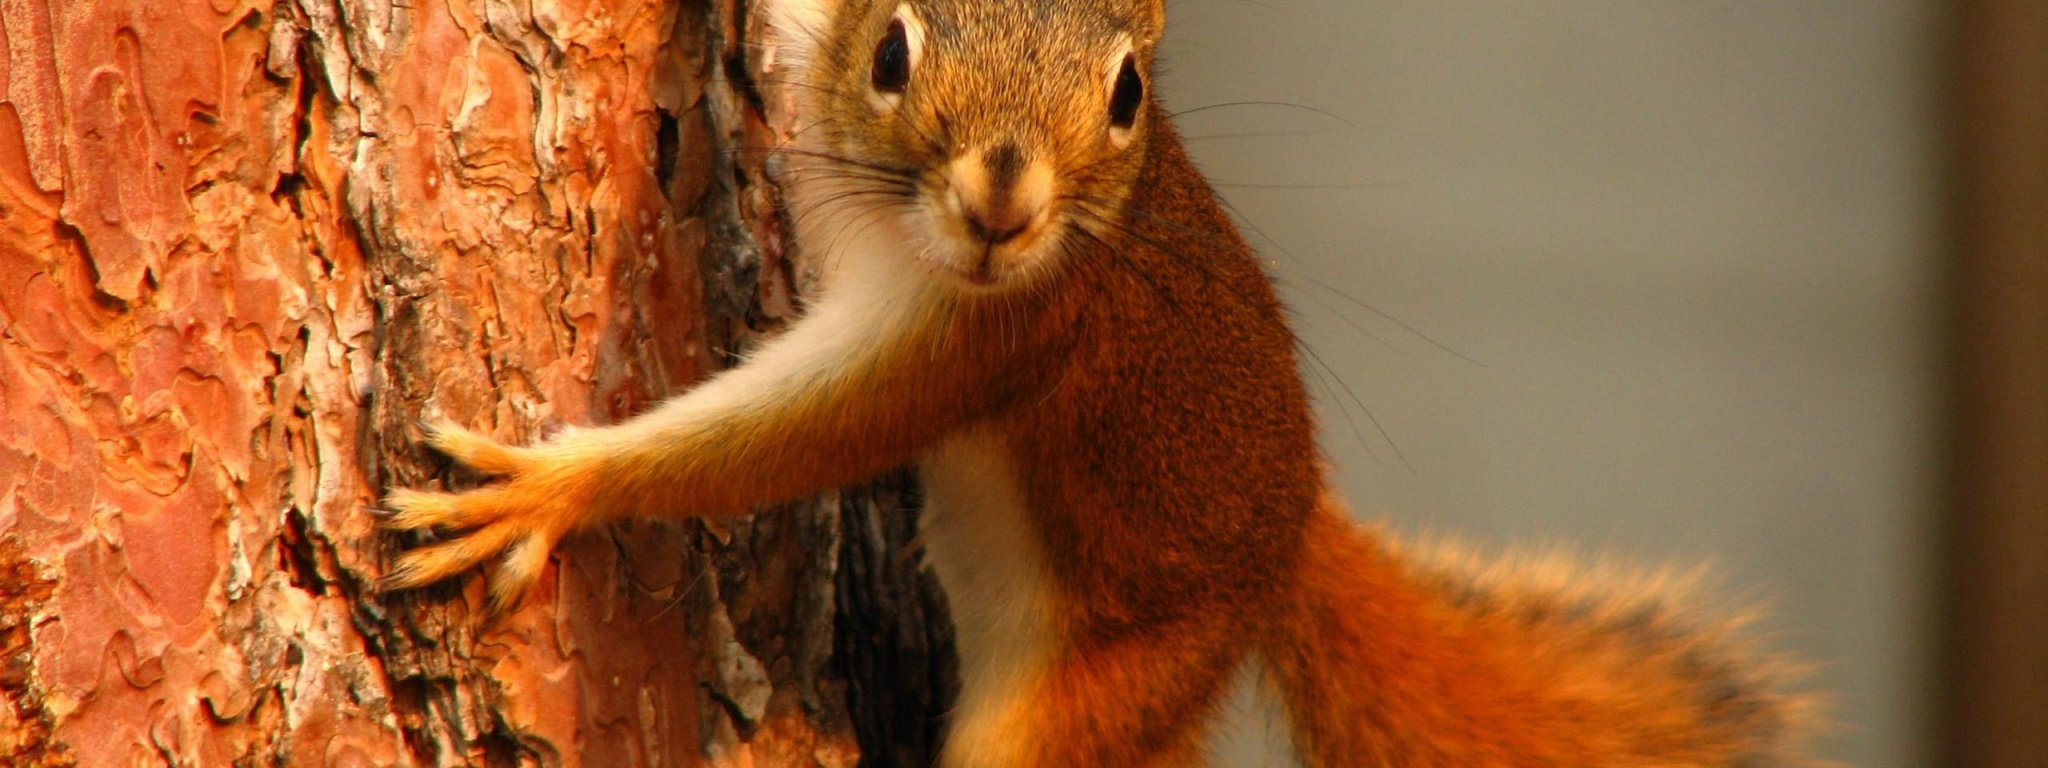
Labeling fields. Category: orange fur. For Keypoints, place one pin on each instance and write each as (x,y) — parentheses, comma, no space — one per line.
(1124,382)
(1383,664)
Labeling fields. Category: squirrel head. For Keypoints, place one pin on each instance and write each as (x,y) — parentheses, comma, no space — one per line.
(989,139)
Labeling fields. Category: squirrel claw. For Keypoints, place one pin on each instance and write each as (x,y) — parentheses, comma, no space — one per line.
(511,525)
(516,571)
(425,565)
(410,510)
(476,451)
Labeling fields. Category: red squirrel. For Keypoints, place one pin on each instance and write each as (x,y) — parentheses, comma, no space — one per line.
(1031,293)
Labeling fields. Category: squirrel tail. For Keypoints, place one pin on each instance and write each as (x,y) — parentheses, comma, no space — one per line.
(1386,658)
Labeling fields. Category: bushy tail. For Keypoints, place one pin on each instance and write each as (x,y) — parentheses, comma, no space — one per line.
(1386,660)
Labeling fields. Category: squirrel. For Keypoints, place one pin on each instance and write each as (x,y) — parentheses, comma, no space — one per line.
(1030,292)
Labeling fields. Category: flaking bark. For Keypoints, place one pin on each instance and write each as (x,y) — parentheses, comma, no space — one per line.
(245,246)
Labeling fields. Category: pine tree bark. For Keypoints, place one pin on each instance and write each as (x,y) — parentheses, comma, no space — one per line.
(246,245)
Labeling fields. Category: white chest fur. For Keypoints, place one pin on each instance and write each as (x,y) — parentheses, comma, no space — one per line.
(979,539)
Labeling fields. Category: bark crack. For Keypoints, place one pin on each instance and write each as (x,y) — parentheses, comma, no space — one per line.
(24,589)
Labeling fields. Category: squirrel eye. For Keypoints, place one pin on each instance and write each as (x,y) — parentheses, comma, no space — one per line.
(892,60)
(1127,95)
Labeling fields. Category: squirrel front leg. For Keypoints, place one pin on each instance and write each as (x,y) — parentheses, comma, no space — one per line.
(851,390)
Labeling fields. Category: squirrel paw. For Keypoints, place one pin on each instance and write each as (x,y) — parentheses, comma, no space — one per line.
(516,521)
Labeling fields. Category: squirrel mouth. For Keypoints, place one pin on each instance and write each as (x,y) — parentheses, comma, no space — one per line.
(983,273)
(969,257)
(976,263)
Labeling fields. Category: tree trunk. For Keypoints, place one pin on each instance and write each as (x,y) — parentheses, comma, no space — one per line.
(246,245)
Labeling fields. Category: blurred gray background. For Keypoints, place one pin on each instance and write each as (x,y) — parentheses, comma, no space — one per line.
(1653,278)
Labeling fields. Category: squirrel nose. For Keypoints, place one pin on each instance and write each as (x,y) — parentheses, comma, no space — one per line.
(997,225)
(1001,193)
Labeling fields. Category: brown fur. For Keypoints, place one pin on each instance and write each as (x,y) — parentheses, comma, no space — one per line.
(1142,381)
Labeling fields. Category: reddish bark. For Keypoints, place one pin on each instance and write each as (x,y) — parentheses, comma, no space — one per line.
(245,245)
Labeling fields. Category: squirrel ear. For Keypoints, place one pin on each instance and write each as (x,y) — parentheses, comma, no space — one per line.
(1155,18)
